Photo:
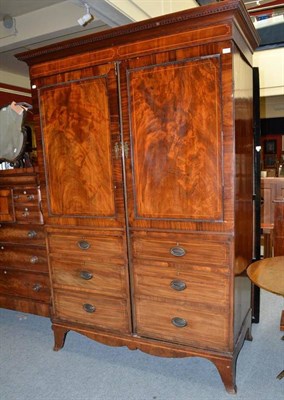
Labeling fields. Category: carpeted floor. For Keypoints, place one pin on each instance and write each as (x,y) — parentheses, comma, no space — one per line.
(86,370)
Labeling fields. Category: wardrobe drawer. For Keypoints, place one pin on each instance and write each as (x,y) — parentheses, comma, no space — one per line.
(87,247)
(181,282)
(23,257)
(24,284)
(194,250)
(31,235)
(182,324)
(91,309)
(108,279)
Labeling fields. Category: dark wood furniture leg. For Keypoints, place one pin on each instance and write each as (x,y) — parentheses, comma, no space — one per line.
(227,371)
(59,336)
(282,321)
(281,375)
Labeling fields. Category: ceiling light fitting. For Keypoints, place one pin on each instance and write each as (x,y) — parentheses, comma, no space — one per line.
(88,17)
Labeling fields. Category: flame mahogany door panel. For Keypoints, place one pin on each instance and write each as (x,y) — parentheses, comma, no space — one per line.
(80,126)
(176,142)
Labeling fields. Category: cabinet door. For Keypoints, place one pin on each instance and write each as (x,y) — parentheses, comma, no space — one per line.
(80,128)
(176,140)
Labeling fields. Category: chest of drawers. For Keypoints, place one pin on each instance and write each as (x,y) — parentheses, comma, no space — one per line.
(89,279)
(24,279)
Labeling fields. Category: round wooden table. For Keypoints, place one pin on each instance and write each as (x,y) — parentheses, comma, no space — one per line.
(268,274)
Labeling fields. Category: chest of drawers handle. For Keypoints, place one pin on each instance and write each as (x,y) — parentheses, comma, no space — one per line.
(86,275)
(179,322)
(30,197)
(177,251)
(89,308)
(31,234)
(83,244)
(34,260)
(37,287)
(178,285)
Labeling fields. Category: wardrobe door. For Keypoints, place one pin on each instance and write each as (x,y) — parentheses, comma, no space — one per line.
(80,129)
(175,126)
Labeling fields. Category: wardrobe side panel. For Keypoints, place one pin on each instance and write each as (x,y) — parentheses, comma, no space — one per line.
(243,96)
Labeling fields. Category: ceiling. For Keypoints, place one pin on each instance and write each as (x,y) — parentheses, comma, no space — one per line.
(20,7)
(36,23)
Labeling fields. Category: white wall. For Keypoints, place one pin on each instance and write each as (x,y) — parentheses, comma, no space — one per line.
(271,71)
(15,80)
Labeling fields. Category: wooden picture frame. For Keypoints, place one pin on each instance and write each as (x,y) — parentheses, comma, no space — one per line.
(270,147)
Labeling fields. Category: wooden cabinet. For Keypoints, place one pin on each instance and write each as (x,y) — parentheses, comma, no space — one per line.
(146,168)
(24,280)
(271,189)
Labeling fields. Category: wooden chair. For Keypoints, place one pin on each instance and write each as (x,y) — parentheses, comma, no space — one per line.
(278,231)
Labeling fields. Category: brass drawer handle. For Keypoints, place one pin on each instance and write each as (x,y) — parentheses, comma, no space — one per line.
(83,244)
(178,285)
(179,322)
(34,260)
(89,308)
(31,234)
(26,212)
(86,275)
(37,287)
(177,251)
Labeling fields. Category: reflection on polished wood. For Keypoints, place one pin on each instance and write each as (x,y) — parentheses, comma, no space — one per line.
(268,274)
